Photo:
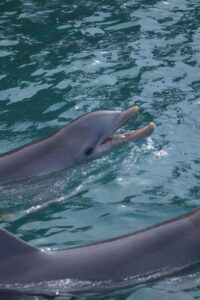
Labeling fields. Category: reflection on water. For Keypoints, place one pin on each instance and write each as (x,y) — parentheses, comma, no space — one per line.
(60,60)
(74,289)
(168,288)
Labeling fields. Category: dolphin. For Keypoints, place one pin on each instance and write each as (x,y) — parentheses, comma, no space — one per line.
(166,247)
(87,137)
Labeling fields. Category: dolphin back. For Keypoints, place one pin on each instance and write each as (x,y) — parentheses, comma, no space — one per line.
(11,247)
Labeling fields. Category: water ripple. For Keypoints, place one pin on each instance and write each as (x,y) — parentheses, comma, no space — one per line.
(60,60)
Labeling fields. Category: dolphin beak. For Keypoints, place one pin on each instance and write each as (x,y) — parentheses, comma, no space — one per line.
(126,115)
(110,140)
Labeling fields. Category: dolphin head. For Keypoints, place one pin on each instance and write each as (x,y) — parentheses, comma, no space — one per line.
(91,135)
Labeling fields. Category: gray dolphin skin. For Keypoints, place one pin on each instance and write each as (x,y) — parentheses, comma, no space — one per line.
(87,137)
(168,245)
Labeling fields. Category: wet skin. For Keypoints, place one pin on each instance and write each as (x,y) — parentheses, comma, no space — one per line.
(87,137)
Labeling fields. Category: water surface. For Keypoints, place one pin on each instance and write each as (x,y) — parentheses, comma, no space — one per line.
(60,60)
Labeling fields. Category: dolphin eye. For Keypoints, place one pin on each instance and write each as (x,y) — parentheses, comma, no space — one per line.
(88,151)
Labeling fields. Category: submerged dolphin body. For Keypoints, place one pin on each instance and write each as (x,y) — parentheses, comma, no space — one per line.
(168,246)
(85,138)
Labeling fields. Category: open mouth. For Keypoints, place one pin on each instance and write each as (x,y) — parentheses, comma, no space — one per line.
(131,136)
(128,136)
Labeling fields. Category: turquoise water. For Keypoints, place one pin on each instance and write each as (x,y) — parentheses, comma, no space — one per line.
(60,60)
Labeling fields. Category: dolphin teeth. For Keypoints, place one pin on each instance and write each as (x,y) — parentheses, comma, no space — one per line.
(133,134)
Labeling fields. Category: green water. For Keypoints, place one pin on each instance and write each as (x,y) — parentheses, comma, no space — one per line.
(61,59)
